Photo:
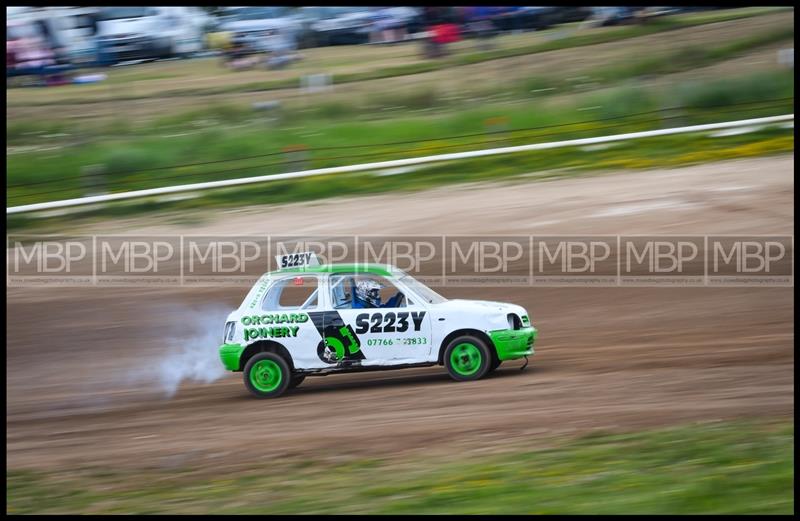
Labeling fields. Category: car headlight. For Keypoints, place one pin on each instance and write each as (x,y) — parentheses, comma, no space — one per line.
(513,321)
(230,329)
(517,321)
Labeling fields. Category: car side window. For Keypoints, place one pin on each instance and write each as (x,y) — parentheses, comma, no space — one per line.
(292,293)
(365,292)
(341,295)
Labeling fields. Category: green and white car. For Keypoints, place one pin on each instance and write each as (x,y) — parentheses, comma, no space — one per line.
(307,319)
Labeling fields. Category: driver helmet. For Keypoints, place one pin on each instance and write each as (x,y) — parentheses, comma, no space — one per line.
(369,291)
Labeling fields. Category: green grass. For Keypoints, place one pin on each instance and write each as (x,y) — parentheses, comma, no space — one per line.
(689,57)
(129,164)
(684,59)
(727,467)
(666,151)
(383,105)
(658,25)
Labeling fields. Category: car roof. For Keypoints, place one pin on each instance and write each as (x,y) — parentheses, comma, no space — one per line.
(385,270)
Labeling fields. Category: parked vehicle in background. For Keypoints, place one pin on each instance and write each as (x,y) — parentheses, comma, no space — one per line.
(70,30)
(519,18)
(308,16)
(262,28)
(328,25)
(403,21)
(131,33)
(336,25)
(563,15)
(477,23)
(27,52)
(602,16)
(414,19)
(487,21)
(650,12)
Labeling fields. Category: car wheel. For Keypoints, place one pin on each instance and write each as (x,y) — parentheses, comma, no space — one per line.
(267,375)
(494,365)
(296,380)
(467,358)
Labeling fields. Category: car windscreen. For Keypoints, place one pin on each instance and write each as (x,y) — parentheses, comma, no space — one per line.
(430,296)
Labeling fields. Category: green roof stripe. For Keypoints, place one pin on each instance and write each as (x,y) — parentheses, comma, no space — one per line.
(384,270)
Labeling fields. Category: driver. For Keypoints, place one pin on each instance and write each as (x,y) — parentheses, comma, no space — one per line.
(368,295)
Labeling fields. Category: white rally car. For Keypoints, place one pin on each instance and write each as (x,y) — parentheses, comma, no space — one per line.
(310,319)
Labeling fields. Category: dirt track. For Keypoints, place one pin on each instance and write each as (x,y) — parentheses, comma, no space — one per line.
(612,358)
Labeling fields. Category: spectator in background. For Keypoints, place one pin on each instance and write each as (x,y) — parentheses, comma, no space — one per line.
(240,54)
(442,29)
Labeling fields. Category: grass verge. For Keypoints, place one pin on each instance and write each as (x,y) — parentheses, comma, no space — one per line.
(214,154)
(727,467)
(666,151)
(387,105)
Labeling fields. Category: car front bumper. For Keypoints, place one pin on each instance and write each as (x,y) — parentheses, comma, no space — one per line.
(230,354)
(514,343)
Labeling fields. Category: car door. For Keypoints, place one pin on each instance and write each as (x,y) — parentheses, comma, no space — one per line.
(287,316)
(372,332)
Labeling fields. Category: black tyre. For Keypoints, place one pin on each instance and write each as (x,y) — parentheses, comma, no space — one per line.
(494,365)
(467,358)
(267,375)
(296,380)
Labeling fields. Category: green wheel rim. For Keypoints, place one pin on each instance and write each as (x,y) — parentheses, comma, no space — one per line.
(266,375)
(466,359)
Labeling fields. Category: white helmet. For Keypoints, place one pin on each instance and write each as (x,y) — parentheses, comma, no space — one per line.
(369,291)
